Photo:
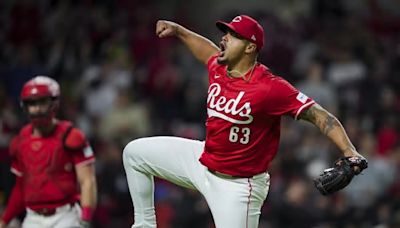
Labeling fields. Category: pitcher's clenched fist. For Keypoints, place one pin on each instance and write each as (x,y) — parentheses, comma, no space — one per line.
(166,28)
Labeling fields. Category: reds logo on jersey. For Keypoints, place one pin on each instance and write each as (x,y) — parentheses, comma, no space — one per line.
(221,107)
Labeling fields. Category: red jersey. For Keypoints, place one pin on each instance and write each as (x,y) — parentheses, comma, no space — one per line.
(243,123)
(47,164)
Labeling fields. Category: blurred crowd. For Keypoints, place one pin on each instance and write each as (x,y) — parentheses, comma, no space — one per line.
(119,82)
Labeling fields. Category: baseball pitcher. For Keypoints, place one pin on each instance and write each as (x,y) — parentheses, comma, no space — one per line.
(245,104)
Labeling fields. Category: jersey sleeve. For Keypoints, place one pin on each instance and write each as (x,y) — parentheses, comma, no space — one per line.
(212,62)
(16,166)
(79,147)
(284,99)
(15,204)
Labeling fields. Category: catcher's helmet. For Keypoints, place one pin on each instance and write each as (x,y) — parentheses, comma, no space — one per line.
(40,87)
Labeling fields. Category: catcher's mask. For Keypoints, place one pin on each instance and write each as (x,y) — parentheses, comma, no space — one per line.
(40,100)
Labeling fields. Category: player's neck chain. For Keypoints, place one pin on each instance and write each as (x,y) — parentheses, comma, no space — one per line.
(238,74)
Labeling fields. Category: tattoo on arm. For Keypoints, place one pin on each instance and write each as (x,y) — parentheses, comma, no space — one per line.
(327,124)
(330,123)
(321,118)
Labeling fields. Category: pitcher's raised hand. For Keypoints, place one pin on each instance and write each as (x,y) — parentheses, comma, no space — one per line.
(166,28)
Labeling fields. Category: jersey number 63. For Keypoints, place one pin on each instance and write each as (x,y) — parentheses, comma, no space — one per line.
(241,135)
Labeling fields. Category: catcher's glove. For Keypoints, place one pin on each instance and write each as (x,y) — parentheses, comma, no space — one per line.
(339,176)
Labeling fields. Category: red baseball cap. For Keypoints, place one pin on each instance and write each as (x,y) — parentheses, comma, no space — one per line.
(246,27)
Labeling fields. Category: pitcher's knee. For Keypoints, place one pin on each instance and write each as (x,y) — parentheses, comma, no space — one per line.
(132,151)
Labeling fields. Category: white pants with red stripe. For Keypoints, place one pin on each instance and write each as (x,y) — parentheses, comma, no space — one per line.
(234,202)
(66,216)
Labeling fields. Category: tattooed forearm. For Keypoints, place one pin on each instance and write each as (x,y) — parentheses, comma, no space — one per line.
(308,115)
(321,118)
(330,126)
(330,123)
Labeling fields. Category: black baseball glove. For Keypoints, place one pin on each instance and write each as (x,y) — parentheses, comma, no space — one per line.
(339,176)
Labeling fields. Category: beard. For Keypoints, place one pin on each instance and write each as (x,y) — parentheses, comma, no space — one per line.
(40,119)
(222,61)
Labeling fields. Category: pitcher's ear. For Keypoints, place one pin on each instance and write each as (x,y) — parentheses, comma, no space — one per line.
(251,47)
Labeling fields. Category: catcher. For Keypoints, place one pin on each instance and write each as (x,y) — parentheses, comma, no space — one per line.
(53,163)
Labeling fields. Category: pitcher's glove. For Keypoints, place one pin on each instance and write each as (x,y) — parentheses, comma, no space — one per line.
(339,176)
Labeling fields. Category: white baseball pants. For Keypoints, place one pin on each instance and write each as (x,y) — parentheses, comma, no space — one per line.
(234,202)
(66,216)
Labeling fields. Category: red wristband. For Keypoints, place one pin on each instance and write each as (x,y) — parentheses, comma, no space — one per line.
(87,214)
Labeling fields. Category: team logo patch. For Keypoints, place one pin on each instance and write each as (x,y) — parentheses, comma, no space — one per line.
(36,145)
(87,152)
(34,91)
(68,167)
(302,97)
(237,19)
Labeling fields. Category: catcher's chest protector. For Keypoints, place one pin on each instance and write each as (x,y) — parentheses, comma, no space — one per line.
(46,165)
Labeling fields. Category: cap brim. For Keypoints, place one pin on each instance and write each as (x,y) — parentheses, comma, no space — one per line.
(223,26)
(226,27)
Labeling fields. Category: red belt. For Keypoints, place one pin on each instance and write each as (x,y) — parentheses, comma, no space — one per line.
(46,211)
(223,175)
